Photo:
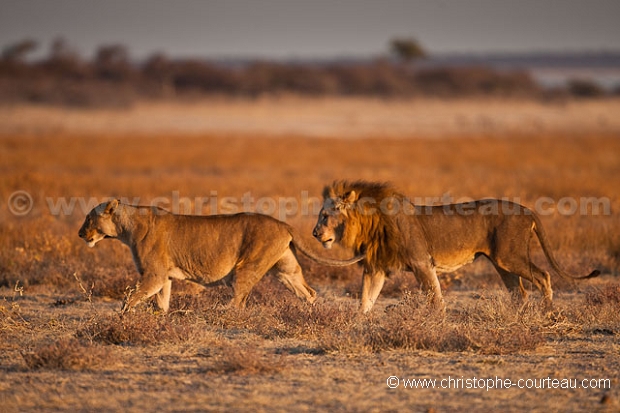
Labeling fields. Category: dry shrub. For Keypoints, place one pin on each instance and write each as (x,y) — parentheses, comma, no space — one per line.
(138,328)
(600,311)
(246,361)
(295,319)
(194,298)
(111,283)
(607,295)
(497,327)
(503,324)
(67,354)
(411,324)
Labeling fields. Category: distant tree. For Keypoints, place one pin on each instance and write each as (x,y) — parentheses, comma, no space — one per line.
(582,88)
(112,62)
(111,55)
(64,61)
(18,51)
(159,68)
(61,50)
(407,49)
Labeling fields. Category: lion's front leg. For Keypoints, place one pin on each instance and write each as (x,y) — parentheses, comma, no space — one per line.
(372,283)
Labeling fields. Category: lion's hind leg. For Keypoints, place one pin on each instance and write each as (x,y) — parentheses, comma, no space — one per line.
(289,273)
(512,281)
(513,270)
(429,284)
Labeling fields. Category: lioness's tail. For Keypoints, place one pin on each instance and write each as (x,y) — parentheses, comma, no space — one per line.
(299,244)
(542,238)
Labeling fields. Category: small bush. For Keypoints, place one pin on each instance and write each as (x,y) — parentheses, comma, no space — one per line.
(245,361)
(67,354)
(610,294)
(600,311)
(138,328)
(296,319)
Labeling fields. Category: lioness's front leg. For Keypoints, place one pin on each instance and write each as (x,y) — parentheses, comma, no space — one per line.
(149,285)
(163,296)
(372,283)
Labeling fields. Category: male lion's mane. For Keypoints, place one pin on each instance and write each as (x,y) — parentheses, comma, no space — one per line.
(370,228)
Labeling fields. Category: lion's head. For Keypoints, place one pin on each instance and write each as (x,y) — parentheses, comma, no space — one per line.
(359,215)
(99,223)
(332,220)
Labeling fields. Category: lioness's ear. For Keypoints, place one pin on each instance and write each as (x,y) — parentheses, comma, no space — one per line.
(111,207)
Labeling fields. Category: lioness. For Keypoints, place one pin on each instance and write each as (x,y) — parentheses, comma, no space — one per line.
(205,249)
(375,220)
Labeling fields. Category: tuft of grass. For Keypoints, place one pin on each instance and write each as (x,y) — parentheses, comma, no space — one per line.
(246,361)
(67,354)
(139,328)
(600,311)
(606,295)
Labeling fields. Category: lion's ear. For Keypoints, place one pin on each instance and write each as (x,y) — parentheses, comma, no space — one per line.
(328,192)
(111,207)
(350,198)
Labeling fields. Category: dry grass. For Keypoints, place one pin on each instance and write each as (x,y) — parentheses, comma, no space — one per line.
(67,354)
(63,341)
(137,329)
(325,117)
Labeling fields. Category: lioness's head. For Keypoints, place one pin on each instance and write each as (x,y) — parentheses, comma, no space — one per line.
(99,223)
(333,218)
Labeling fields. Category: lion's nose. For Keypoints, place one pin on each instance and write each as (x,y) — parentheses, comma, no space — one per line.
(81,233)
(315,233)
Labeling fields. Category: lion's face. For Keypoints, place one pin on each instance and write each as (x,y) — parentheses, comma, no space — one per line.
(329,227)
(99,224)
(332,219)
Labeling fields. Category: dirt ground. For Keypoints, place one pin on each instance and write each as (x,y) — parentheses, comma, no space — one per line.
(181,377)
(64,347)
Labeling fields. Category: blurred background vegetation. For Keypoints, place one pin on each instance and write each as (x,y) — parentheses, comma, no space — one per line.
(112,78)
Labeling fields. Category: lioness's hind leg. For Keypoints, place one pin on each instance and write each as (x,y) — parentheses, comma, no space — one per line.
(290,274)
(245,278)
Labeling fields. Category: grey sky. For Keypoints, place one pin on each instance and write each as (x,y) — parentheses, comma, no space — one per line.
(318,28)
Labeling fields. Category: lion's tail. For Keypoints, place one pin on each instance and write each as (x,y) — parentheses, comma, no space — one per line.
(542,239)
(298,243)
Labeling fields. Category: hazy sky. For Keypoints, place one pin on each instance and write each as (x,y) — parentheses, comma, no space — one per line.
(314,28)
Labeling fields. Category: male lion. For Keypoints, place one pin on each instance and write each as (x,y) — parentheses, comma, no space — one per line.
(205,249)
(375,220)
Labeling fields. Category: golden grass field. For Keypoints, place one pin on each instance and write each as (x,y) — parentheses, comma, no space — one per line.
(64,347)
